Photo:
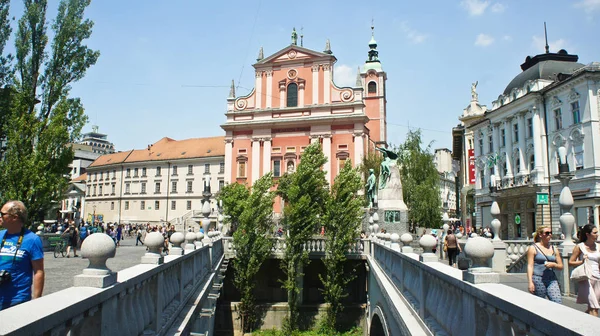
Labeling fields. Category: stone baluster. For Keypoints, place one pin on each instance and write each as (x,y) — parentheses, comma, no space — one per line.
(406,239)
(97,248)
(189,238)
(387,237)
(176,239)
(394,242)
(480,250)
(155,242)
(567,220)
(499,260)
(428,242)
(199,237)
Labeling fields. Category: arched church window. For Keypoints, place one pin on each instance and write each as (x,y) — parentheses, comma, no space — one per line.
(292,95)
(372,87)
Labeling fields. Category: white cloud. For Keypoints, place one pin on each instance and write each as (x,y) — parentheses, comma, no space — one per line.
(344,75)
(475,7)
(413,35)
(588,5)
(539,44)
(484,40)
(498,7)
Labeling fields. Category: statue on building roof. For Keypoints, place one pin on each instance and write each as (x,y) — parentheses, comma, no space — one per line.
(474,95)
(294,37)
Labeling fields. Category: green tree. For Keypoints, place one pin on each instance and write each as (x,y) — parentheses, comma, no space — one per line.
(232,196)
(342,220)
(253,242)
(305,194)
(420,181)
(44,119)
(5,68)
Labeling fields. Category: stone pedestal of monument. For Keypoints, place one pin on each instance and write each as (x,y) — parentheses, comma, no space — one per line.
(392,211)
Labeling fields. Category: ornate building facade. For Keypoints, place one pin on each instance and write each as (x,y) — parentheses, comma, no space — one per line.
(552,103)
(164,182)
(294,103)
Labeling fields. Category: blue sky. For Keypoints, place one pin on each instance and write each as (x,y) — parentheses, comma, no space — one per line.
(166,65)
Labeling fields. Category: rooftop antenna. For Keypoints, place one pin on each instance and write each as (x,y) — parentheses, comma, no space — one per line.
(302,36)
(546,35)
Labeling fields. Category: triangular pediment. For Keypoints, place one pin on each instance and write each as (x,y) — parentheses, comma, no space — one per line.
(293,53)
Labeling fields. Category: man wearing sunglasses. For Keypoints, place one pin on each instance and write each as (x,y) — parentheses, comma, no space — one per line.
(21,257)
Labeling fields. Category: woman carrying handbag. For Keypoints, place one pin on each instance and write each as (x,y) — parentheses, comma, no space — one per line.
(542,260)
(588,251)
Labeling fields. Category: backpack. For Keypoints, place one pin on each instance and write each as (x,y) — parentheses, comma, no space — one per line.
(83,232)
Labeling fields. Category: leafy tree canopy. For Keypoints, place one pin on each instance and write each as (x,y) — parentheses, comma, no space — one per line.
(420,181)
(42,119)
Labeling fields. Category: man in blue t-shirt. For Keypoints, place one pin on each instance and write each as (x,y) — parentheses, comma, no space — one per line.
(21,256)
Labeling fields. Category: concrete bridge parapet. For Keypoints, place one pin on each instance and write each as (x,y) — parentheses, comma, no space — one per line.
(441,301)
(150,298)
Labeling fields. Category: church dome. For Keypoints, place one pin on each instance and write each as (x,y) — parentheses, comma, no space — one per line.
(544,66)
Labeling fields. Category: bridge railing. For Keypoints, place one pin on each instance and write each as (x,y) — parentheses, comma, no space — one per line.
(314,246)
(450,306)
(145,299)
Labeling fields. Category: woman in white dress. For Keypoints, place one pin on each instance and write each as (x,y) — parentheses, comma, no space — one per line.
(588,249)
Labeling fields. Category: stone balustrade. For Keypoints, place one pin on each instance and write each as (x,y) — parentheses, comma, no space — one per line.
(316,247)
(149,298)
(450,306)
(516,252)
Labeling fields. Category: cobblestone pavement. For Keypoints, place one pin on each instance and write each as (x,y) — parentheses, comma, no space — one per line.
(60,271)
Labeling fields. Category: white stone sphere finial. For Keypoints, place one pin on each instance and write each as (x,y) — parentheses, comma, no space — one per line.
(427,242)
(177,239)
(480,250)
(97,248)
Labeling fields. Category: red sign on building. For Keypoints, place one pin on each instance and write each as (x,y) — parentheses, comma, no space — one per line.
(471,166)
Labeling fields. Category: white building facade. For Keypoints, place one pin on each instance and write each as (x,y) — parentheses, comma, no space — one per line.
(156,185)
(443,162)
(552,103)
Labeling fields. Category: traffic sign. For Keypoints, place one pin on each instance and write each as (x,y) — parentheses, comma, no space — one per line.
(542,198)
(517,219)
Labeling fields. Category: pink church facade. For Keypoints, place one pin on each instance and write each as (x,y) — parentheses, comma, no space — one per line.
(294,103)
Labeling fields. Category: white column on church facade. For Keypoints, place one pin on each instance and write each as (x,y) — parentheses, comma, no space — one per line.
(522,143)
(266,155)
(496,147)
(314,138)
(258,89)
(327,152)
(315,84)
(255,160)
(301,95)
(228,159)
(537,143)
(269,95)
(508,147)
(282,96)
(326,81)
(359,148)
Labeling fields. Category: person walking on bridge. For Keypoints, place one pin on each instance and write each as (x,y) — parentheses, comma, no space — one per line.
(542,259)
(588,291)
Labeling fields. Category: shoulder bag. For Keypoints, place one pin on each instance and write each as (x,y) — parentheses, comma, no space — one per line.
(582,272)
